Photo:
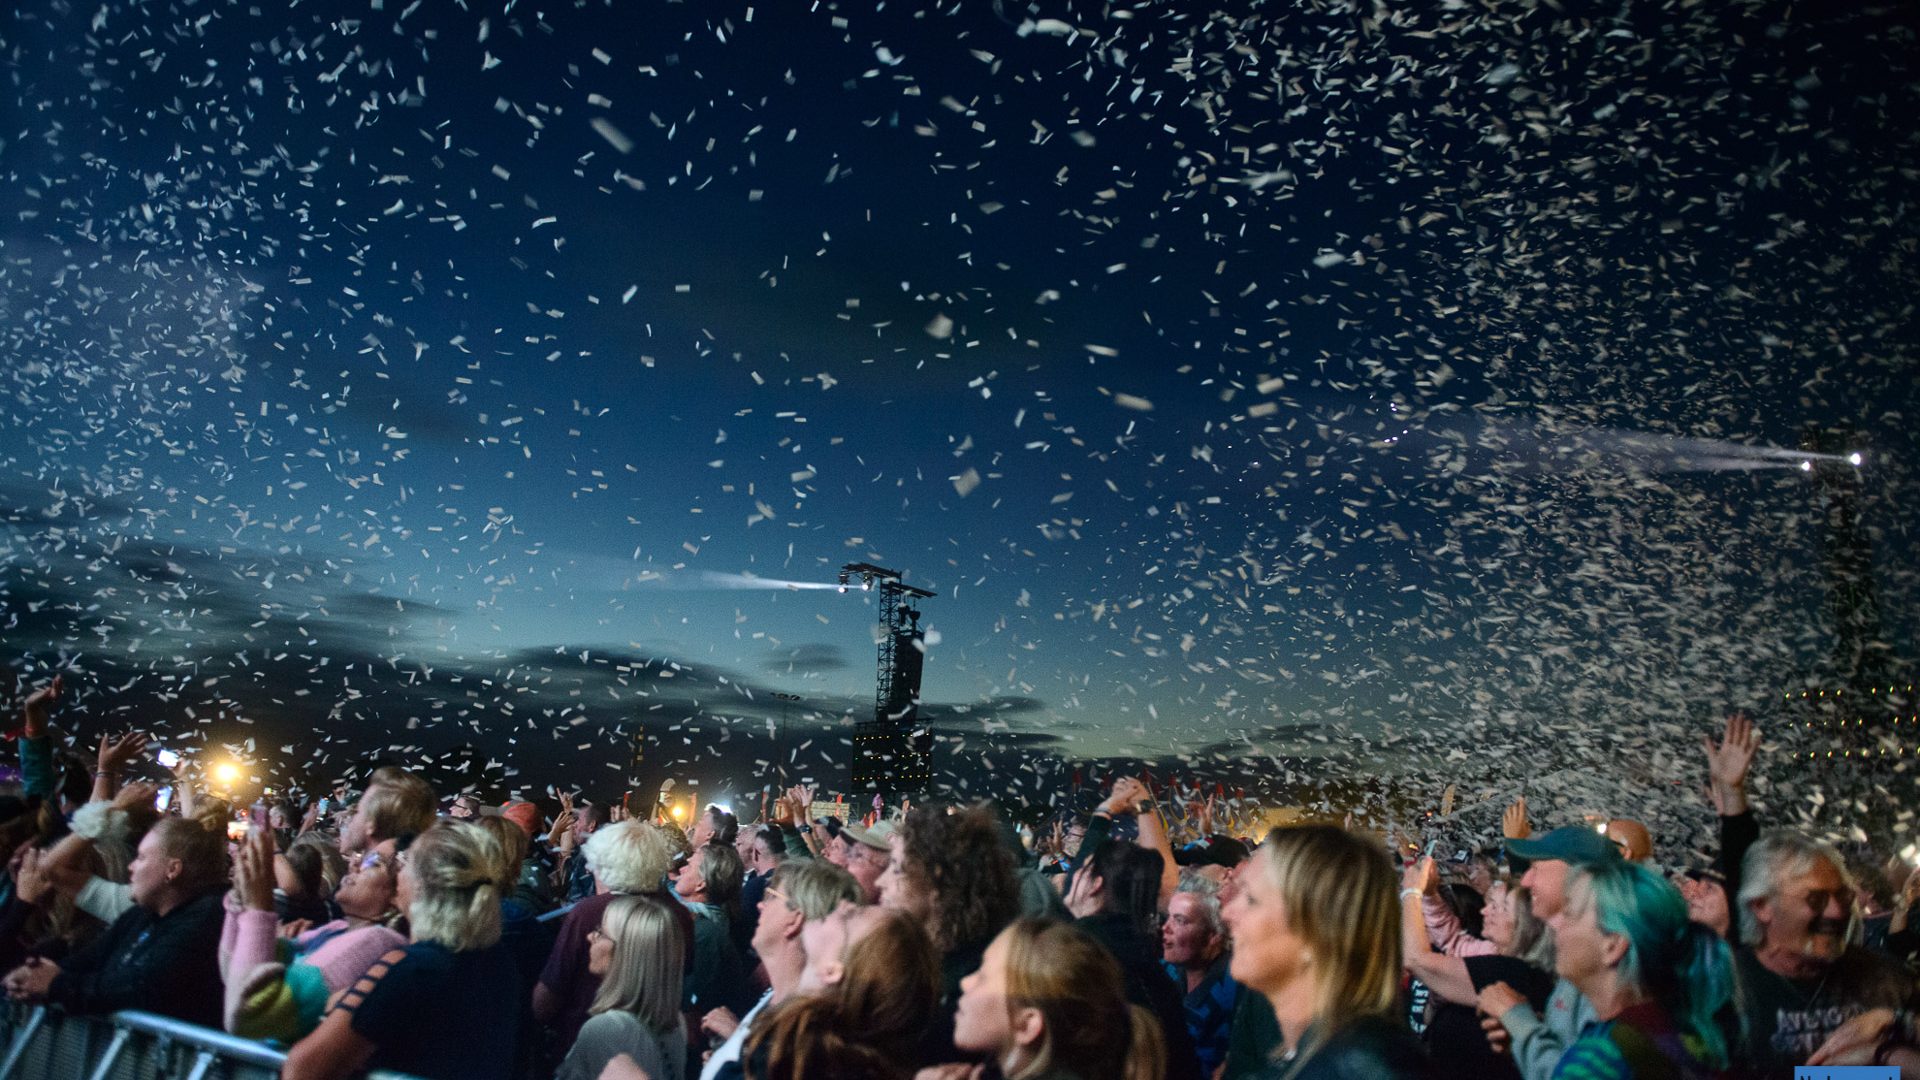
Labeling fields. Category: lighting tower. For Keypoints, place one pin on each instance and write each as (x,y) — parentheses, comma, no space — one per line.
(1857,714)
(893,752)
(1861,655)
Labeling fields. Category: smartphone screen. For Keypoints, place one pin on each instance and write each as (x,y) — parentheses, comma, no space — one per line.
(237,829)
(168,759)
(162,798)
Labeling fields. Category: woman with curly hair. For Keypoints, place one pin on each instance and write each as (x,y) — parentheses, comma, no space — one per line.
(953,875)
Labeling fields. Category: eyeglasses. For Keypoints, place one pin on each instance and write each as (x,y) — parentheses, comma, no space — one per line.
(780,896)
(1819,899)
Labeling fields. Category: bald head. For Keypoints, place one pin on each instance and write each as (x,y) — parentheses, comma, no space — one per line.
(1635,842)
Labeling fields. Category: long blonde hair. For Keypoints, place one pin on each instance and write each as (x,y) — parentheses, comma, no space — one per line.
(1078,988)
(645,973)
(1339,892)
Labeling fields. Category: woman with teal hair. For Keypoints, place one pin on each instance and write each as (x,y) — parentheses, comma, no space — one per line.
(1655,978)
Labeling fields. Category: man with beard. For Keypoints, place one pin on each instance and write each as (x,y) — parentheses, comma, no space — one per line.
(1800,979)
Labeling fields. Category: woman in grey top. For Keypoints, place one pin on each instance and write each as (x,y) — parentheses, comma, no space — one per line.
(637,953)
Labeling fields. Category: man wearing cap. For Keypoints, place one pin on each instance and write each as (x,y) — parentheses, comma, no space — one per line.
(1538,1042)
(869,852)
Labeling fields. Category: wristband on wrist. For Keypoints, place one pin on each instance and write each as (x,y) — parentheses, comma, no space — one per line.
(1404,893)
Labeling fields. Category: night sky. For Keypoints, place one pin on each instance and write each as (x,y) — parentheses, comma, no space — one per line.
(1271,394)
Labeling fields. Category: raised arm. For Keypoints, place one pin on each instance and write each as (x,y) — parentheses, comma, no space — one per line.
(1728,764)
(1153,837)
(111,760)
(36,750)
(1445,975)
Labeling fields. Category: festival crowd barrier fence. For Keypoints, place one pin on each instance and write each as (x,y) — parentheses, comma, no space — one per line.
(45,1043)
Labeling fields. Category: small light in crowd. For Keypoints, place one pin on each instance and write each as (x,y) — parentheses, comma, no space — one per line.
(679,811)
(226,772)
(1600,827)
(1856,458)
(1806,466)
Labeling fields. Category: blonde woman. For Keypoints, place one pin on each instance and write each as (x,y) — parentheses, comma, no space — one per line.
(446,1007)
(1048,1003)
(635,952)
(1316,929)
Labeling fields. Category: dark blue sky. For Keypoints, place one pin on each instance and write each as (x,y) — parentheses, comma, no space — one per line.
(1254,384)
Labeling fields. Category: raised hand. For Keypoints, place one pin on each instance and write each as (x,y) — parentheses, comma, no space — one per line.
(1729,761)
(253,870)
(1419,875)
(561,835)
(1513,821)
(1127,795)
(1057,838)
(39,707)
(113,755)
(802,796)
(134,795)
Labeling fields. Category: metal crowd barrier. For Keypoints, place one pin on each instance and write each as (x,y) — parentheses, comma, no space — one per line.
(44,1043)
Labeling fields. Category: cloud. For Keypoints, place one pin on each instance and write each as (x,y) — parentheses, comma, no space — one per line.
(806,659)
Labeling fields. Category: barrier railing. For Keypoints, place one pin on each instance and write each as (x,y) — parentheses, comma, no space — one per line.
(43,1043)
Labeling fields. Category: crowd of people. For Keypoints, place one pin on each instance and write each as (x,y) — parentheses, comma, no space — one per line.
(466,940)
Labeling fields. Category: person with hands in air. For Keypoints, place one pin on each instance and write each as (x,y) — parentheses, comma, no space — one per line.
(1801,979)
(1538,1039)
(277,987)
(578,819)
(1115,899)
(446,1006)
(1519,954)
(37,773)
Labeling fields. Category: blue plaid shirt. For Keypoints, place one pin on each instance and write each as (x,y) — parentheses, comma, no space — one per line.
(1209,1009)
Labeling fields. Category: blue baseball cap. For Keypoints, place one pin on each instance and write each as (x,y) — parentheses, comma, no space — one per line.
(1571,844)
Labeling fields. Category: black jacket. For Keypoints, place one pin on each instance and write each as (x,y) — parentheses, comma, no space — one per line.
(168,965)
(1148,986)
(1370,1048)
